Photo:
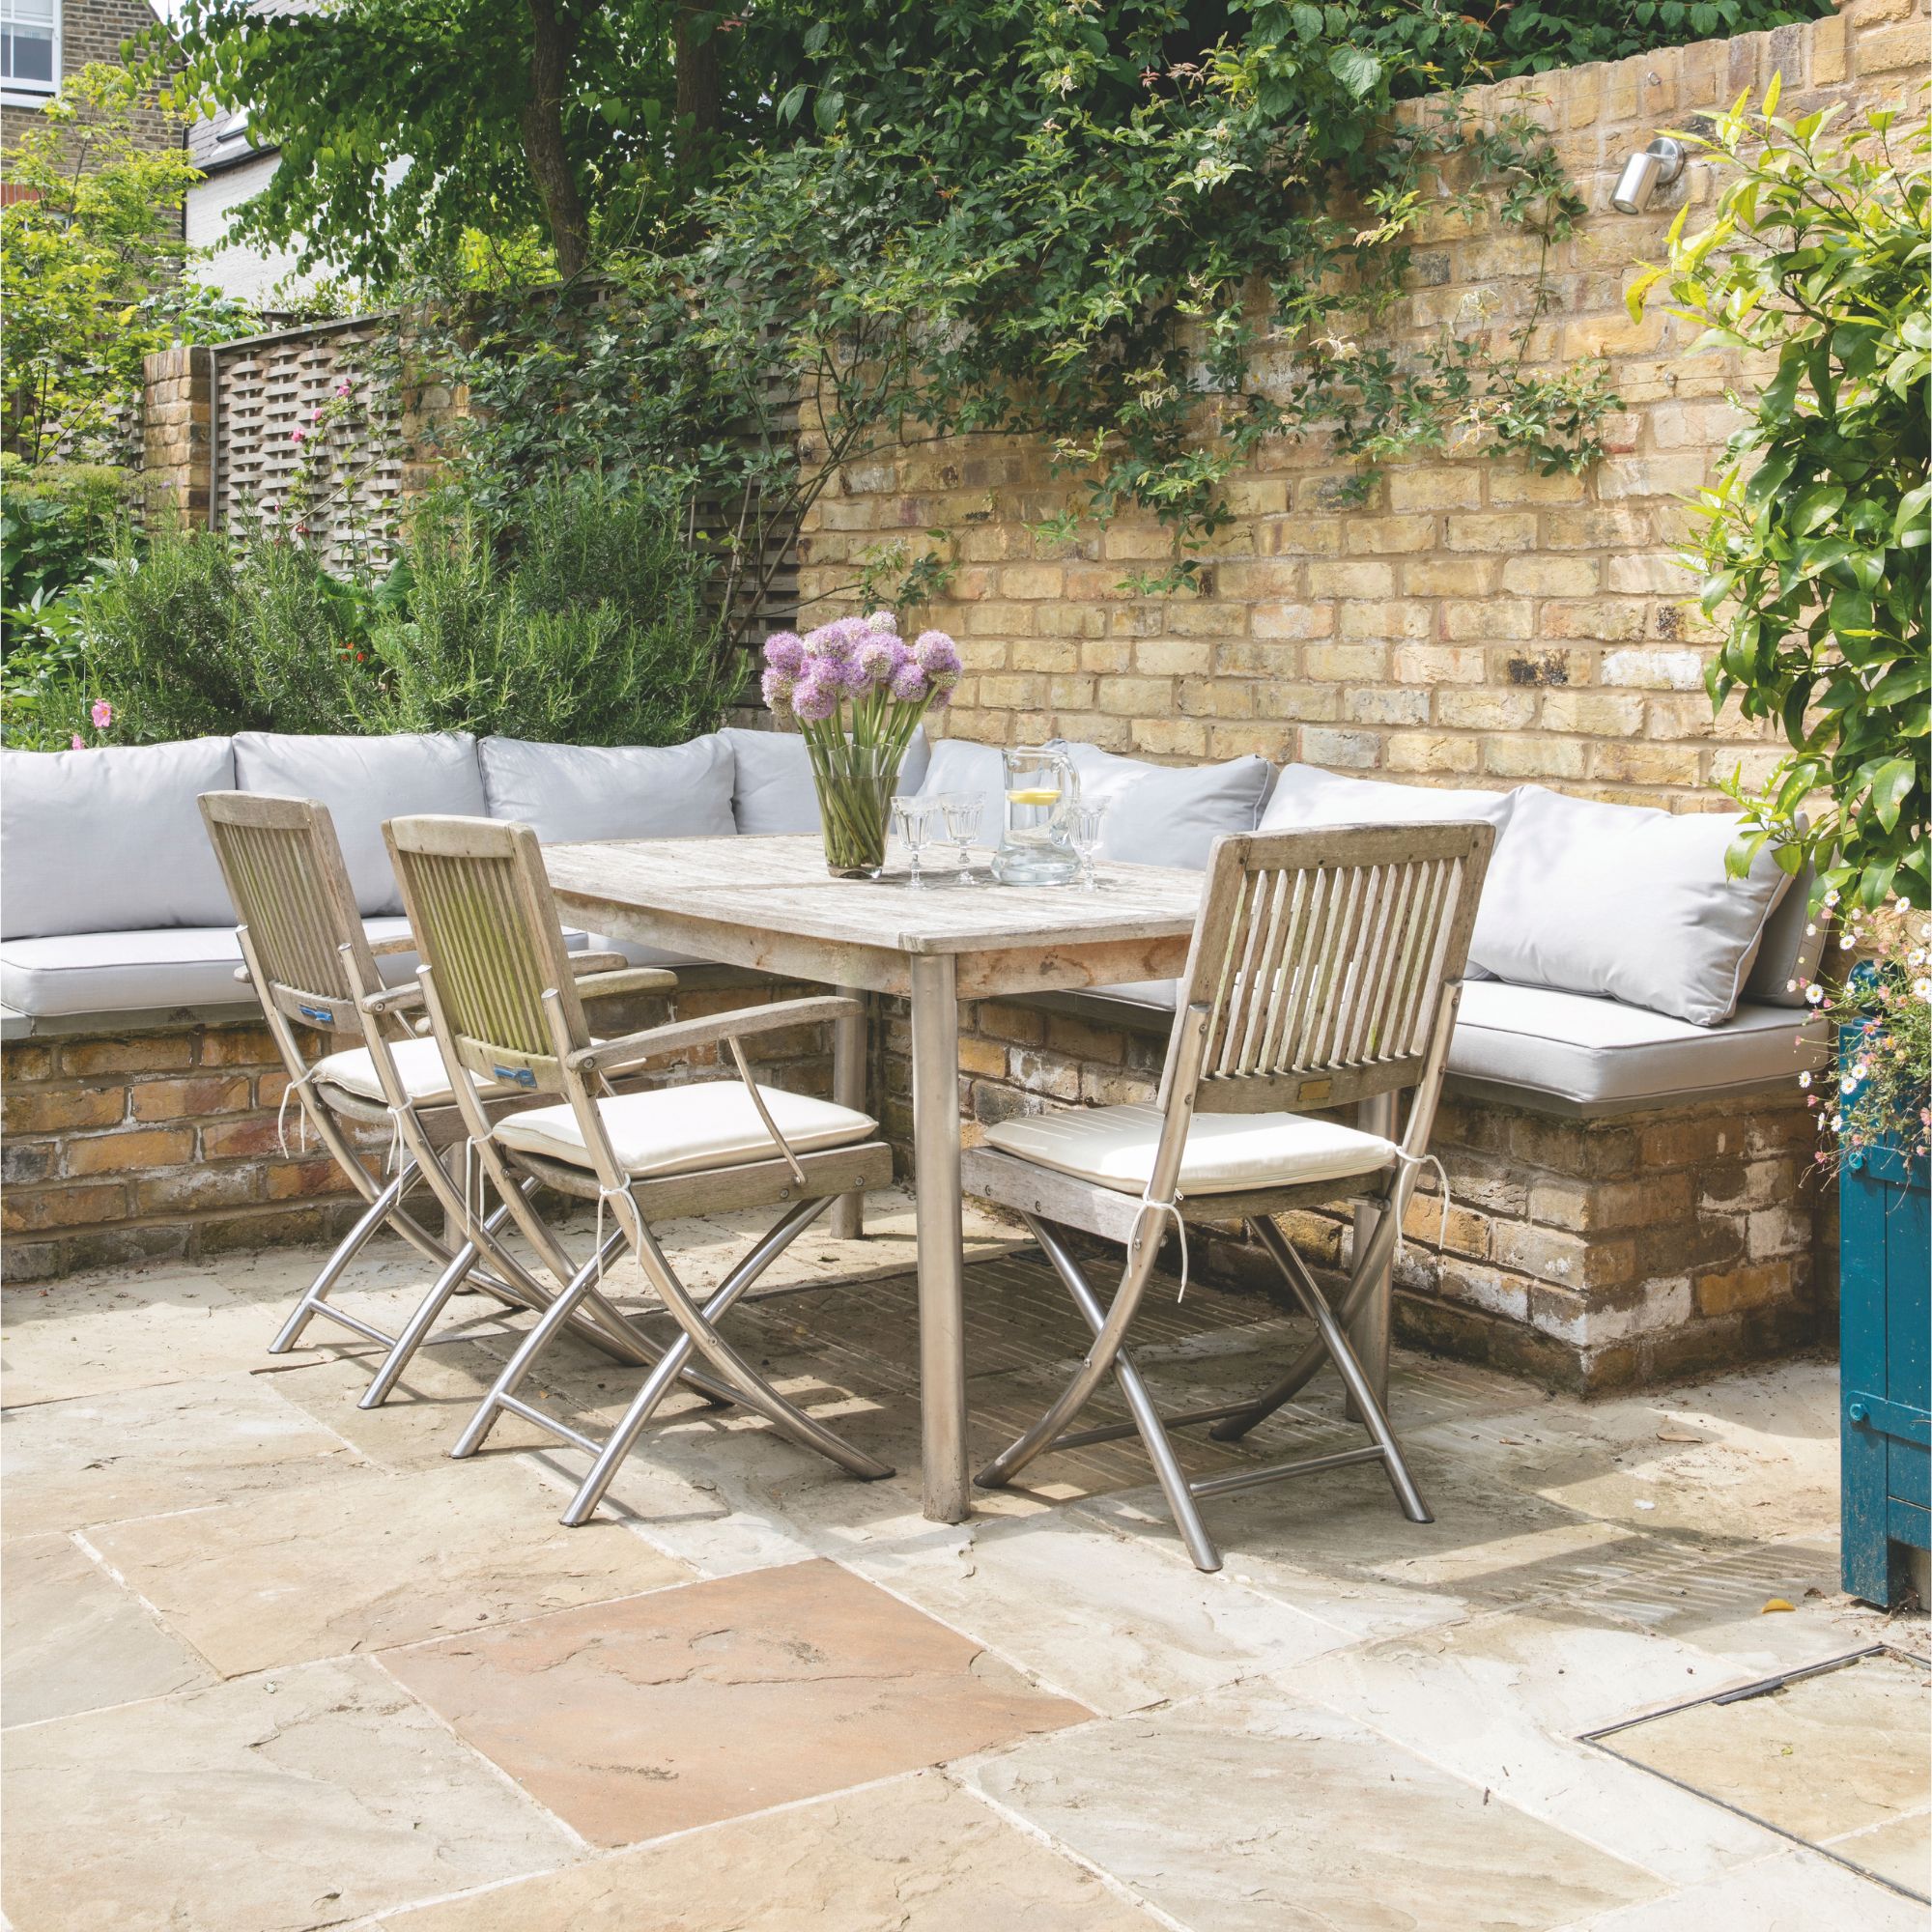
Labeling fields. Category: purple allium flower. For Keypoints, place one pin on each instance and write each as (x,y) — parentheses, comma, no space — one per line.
(878,658)
(883,621)
(779,686)
(784,651)
(909,685)
(938,656)
(816,699)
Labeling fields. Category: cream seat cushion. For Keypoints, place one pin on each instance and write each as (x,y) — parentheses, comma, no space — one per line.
(419,1062)
(688,1129)
(1226,1153)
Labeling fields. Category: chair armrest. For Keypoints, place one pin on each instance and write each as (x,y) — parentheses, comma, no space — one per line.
(393,999)
(403,942)
(607,984)
(655,1041)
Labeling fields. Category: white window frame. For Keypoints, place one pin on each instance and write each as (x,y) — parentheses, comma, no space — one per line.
(30,94)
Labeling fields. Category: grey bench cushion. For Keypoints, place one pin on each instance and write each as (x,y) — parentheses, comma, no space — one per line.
(155,971)
(110,837)
(363,782)
(1595,1052)
(1599,1052)
(1169,815)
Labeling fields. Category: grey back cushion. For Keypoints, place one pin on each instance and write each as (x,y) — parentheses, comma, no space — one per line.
(111,839)
(1794,942)
(958,764)
(1305,796)
(1624,901)
(364,782)
(1169,815)
(772,790)
(611,791)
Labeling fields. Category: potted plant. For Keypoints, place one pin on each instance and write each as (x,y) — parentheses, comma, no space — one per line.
(858,691)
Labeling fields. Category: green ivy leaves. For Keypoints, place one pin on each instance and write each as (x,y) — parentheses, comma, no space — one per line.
(1814,546)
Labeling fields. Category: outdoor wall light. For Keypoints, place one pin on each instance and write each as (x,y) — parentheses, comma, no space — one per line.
(1658,166)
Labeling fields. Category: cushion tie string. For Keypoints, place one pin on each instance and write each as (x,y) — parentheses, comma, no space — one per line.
(622,1193)
(1149,1205)
(1410,1164)
(296,1090)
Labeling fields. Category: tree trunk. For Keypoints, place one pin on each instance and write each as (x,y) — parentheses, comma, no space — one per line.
(552,42)
(696,65)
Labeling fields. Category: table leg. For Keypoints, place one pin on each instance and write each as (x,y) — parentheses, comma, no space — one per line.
(848,1090)
(1369,1332)
(942,1338)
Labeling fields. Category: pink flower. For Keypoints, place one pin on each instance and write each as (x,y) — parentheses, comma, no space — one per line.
(299,436)
(102,714)
(341,390)
(315,415)
(76,743)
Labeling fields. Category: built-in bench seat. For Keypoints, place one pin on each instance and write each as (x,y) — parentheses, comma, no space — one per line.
(1618,980)
(1573,1050)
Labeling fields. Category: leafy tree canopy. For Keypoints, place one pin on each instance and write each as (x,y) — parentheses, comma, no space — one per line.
(90,262)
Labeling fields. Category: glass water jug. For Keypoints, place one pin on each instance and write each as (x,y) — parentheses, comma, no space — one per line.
(1034,846)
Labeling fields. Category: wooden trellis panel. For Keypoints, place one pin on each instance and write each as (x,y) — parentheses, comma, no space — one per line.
(342,482)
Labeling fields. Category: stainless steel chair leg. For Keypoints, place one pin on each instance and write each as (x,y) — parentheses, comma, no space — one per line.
(1369,1410)
(658,1383)
(315,1302)
(1200,1545)
(531,1348)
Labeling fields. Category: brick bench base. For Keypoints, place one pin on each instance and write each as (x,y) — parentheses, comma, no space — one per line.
(1592,1254)
(159,1141)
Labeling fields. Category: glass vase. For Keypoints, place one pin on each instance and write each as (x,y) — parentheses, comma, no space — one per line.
(855,793)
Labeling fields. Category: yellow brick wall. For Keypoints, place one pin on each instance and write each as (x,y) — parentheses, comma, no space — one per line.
(1475,623)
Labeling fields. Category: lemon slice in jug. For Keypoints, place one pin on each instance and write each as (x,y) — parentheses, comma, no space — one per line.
(1034,795)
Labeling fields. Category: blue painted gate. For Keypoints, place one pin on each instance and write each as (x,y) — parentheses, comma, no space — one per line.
(1885,1326)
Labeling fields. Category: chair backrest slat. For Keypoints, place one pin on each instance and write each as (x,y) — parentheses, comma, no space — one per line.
(481,906)
(283,866)
(1322,959)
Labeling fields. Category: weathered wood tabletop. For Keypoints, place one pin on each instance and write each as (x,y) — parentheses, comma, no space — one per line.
(770,904)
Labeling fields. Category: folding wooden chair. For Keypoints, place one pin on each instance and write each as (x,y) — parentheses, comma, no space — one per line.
(313,966)
(504,1009)
(1325,970)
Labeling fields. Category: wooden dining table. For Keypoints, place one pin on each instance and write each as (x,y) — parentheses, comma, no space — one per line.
(770,904)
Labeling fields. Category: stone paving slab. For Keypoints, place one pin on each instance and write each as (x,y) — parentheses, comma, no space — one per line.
(636,1719)
(1503,1701)
(1254,1812)
(372,1561)
(72,1639)
(1795,1892)
(143,1451)
(1828,1754)
(310,1797)
(1111,1620)
(916,1855)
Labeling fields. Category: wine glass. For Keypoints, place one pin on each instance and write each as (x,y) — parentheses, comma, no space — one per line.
(963,810)
(1083,832)
(913,818)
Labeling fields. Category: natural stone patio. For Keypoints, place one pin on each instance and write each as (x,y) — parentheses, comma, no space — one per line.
(273,1662)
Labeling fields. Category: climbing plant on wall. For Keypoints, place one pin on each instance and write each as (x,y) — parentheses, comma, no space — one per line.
(1815,537)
